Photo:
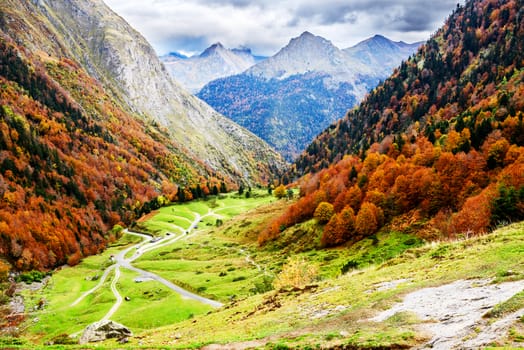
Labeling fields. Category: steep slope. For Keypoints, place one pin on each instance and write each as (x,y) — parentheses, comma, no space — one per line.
(455,70)
(291,97)
(75,157)
(214,63)
(114,53)
(439,143)
(72,162)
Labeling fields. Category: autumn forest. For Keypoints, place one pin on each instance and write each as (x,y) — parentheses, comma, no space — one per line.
(440,143)
(74,163)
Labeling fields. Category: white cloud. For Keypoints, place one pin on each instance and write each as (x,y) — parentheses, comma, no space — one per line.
(267,25)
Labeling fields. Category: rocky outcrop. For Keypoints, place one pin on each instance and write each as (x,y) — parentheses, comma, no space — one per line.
(102,330)
(455,314)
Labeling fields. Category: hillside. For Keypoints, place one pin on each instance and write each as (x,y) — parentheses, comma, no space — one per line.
(439,142)
(79,153)
(102,43)
(213,63)
(292,96)
(458,74)
(73,163)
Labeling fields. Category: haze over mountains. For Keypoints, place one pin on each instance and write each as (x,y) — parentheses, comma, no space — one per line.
(290,97)
(215,62)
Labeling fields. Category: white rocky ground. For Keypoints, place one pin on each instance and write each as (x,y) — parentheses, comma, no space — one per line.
(453,312)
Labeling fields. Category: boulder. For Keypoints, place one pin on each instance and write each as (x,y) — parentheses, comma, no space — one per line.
(103,330)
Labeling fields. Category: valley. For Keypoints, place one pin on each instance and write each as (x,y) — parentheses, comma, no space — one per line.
(143,263)
(127,201)
(292,96)
(224,263)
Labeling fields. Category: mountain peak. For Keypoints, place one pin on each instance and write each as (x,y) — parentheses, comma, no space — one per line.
(307,34)
(380,41)
(213,63)
(217,45)
(376,39)
(305,53)
(212,49)
(309,40)
(379,37)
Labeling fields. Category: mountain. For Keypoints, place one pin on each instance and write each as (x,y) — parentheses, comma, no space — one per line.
(94,133)
(381,53)
(114,53)
(438,147)
(304,54)
(215,62)
(291,97)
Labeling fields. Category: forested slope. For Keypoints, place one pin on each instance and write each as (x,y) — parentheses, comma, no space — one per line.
(440,142)
(73,163)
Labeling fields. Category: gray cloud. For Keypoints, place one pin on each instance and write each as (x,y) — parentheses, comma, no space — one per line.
(399,15)
(233,3)
(344,13)
(267,25)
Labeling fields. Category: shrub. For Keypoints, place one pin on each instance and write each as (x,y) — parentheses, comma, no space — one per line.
(30,277)
(265,285)
(297,272)
(369,219)
(280,192)
(340,228)
(324,212)
(349,265)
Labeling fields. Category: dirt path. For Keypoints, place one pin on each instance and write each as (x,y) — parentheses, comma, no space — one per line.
(145,246)
(453,312)
(119,299)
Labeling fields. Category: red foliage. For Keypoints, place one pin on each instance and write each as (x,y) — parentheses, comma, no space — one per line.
(369,219)
(475,215)
(73,163)
(340,228)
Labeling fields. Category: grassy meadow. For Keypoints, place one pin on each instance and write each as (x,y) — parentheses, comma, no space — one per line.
(225,263)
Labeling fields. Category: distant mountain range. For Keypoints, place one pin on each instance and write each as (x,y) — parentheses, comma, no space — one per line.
(215,62)
(290,97)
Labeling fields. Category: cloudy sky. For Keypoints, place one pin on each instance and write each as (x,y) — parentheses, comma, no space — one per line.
(265,26)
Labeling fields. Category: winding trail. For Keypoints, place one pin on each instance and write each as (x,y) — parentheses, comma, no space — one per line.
(100,283)
(146,245)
